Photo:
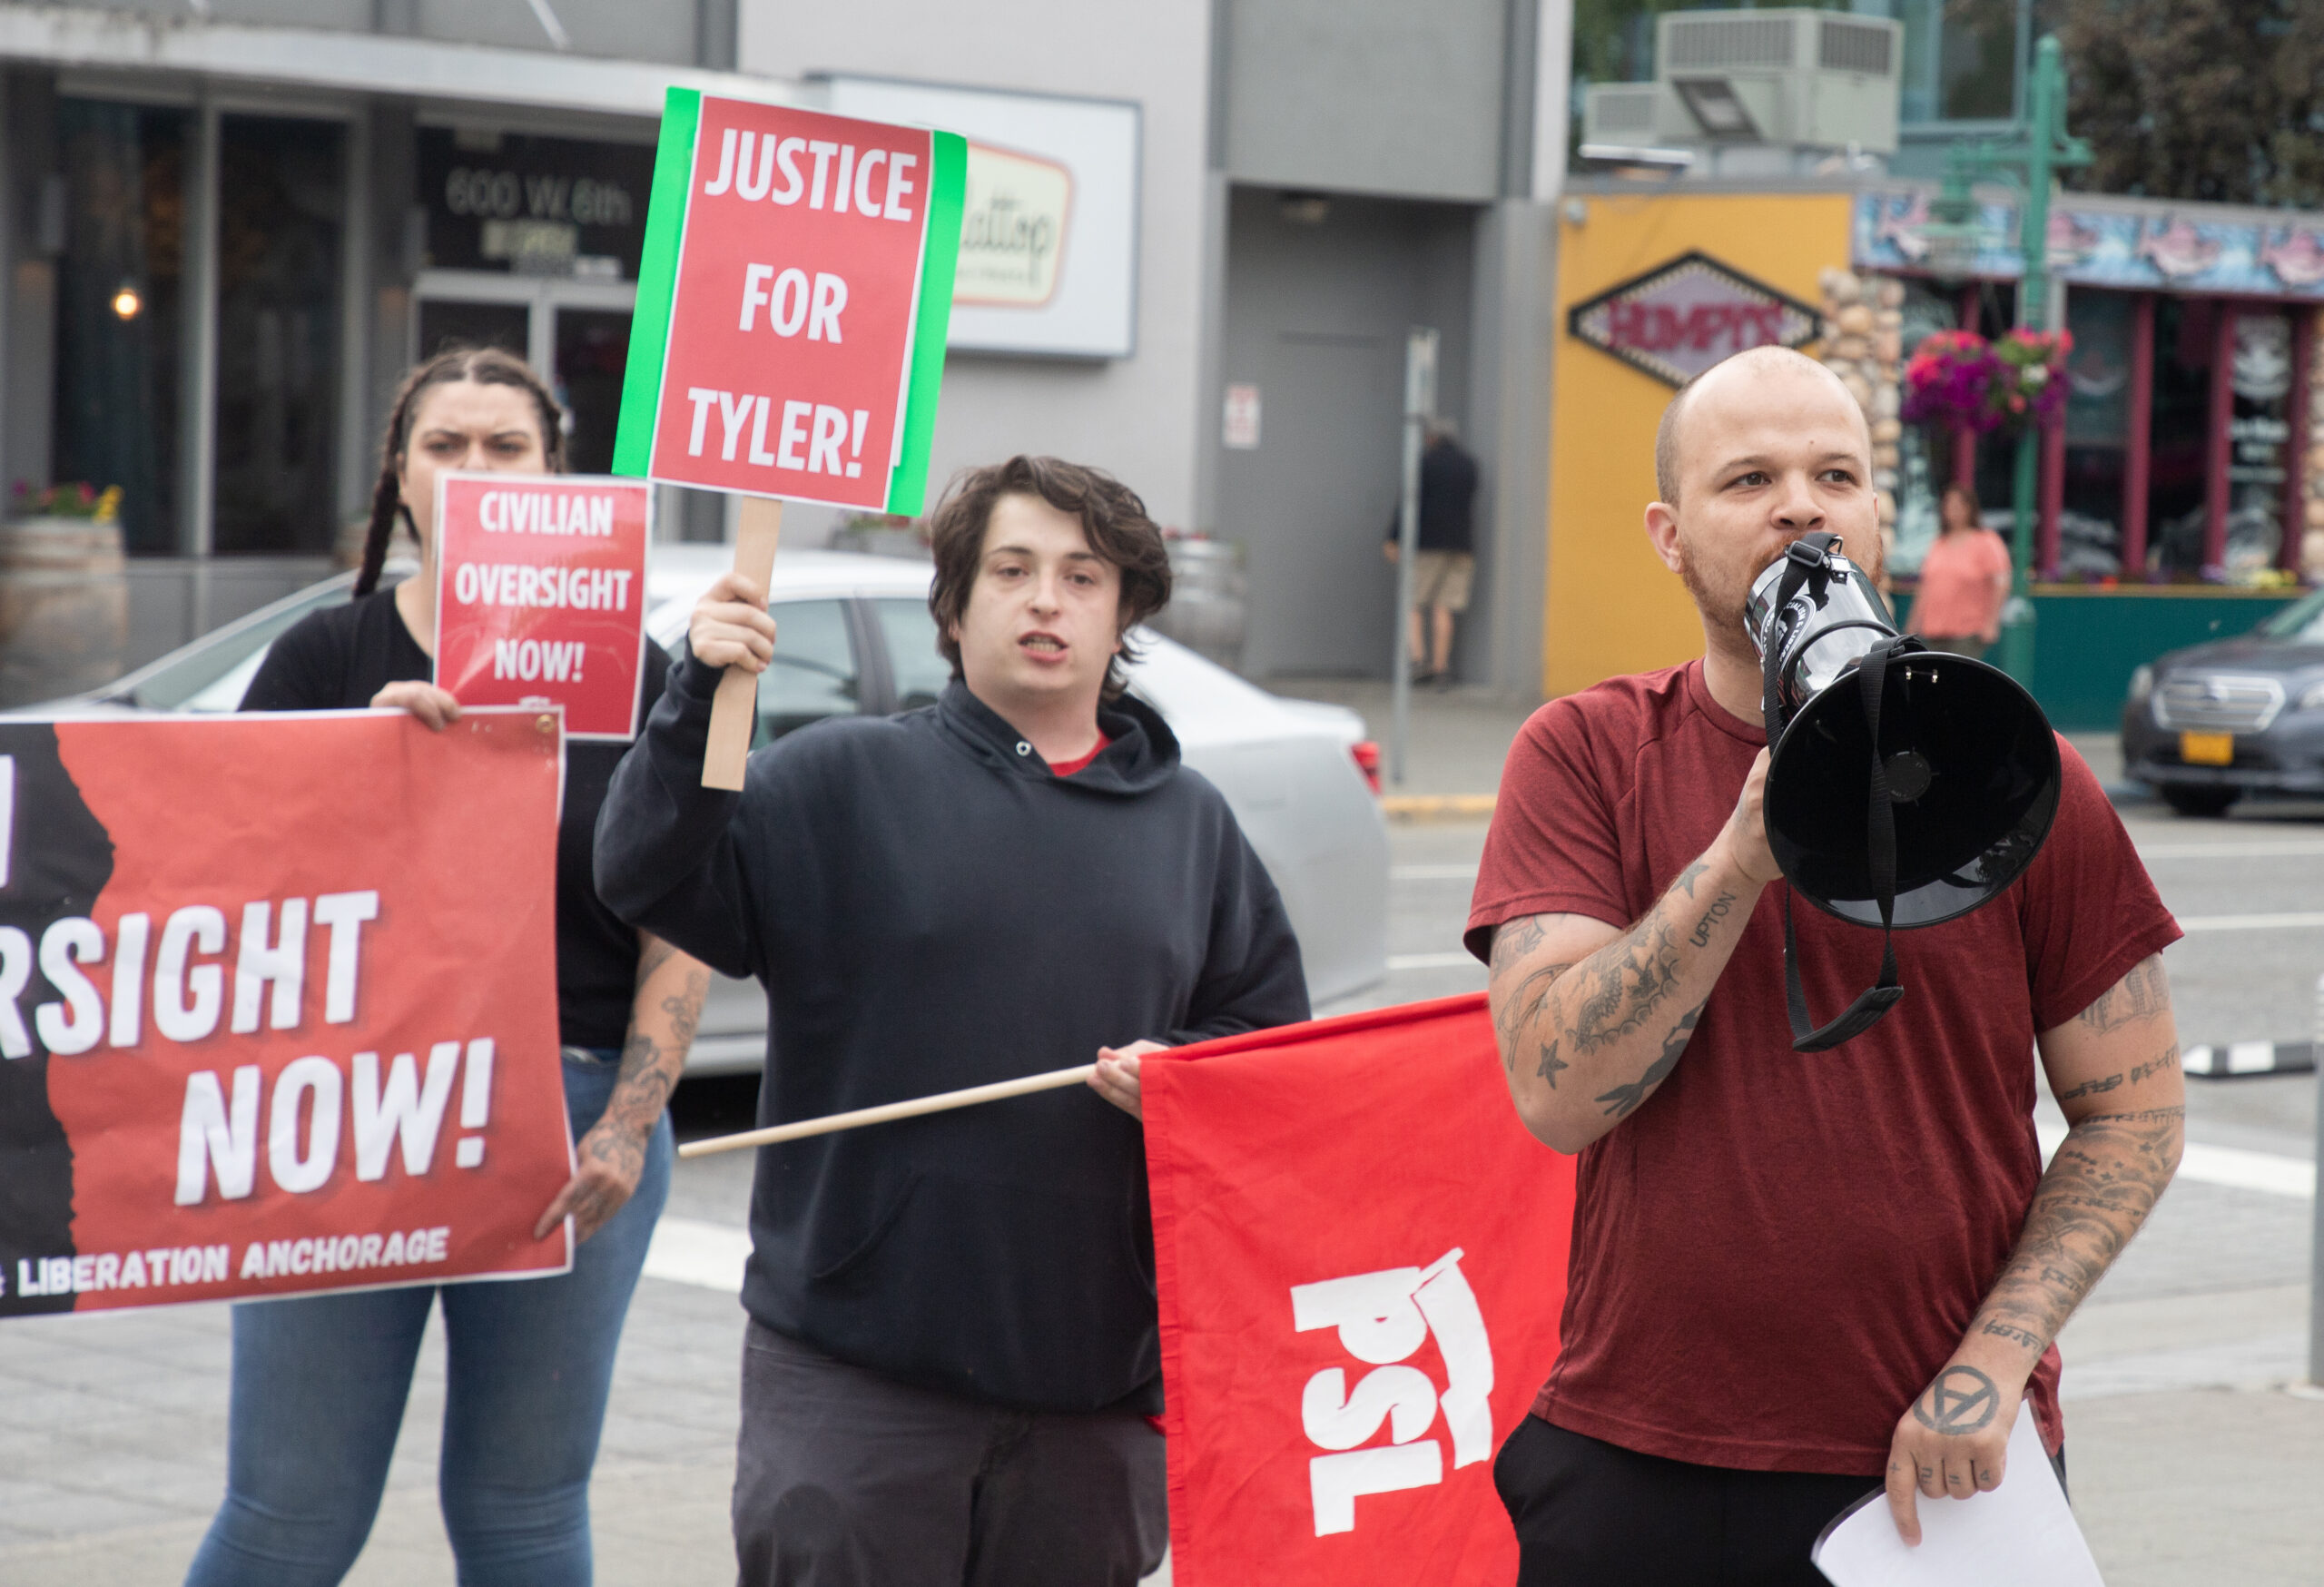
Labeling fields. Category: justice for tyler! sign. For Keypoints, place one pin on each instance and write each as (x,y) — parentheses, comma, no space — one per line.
(278,1006)
(540,595)
(789,334)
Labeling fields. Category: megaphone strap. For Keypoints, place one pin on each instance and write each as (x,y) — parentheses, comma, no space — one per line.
(1880,842)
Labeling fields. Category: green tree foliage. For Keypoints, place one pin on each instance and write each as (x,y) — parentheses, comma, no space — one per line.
(2219,100)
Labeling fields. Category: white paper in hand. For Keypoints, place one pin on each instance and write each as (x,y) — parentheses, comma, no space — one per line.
(2022,1534)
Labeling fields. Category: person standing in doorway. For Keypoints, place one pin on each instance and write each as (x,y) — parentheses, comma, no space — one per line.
(1446,566)
(1964,581)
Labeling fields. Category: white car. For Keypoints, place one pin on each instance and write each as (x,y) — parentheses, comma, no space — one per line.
(855,636)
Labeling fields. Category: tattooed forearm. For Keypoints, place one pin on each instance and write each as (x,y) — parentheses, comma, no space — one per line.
(1624,985)
(1523,1007)
(1623,1100)
(2098,1191)
(1712,917)
(2142,994)
(652,954)
(2091,1089)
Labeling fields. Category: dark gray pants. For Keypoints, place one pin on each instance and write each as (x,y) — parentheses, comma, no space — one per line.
(845,1478)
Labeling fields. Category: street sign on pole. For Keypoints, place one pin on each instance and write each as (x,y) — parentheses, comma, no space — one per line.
(1420,407)
(789,335)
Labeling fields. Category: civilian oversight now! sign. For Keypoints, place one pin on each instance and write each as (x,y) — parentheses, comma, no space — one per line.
(1681,317)
(299,1033)
(1361,1258)
(540,595)
(789,335)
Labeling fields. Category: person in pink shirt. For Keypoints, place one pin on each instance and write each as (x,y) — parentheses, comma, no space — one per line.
(1965,579)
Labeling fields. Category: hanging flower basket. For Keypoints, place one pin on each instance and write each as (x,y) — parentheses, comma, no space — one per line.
(1957,379)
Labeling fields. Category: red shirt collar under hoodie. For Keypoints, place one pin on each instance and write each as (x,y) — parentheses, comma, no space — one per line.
(1067,768)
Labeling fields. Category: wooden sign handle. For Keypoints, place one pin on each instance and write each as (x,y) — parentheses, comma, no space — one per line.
(735,712)
(942,1102)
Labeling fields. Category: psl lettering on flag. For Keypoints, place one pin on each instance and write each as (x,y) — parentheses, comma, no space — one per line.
(1385,1317)
(1360,1258)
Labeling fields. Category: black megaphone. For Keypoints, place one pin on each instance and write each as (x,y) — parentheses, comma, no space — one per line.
(1907,786)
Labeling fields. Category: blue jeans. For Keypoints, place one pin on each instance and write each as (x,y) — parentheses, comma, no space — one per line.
(319,1392)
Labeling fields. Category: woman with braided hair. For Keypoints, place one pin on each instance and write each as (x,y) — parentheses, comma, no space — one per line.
(320,1382)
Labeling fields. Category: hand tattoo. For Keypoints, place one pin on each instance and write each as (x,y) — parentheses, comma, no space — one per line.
(1962,1400)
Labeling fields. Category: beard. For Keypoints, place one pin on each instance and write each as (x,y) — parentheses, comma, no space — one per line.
(1722,604)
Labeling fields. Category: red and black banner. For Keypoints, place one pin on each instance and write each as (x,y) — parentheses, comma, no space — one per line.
(278,1006)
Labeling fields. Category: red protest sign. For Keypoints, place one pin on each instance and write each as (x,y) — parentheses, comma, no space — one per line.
(788,340)
(297,1032)
(540,595)
(1361,1259)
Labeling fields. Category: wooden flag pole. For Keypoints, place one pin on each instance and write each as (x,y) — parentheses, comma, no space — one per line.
(735,712)
(942,1102)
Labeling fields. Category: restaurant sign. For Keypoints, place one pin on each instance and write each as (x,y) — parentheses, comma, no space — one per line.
(1687,314)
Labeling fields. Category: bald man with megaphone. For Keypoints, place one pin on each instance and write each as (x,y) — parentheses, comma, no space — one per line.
(1800,1275)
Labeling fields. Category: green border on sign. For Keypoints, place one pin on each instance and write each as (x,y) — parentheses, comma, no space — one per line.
(940,258)
(658,282)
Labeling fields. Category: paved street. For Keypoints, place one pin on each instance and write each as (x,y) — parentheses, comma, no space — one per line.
(2188,1461)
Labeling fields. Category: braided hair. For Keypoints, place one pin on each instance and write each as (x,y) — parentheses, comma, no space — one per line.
(487,366)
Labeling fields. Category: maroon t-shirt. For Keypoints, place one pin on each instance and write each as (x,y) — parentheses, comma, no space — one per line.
(1779,1250)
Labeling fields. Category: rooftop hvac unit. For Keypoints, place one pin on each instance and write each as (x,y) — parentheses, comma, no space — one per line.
(1813,79)
(1620,113)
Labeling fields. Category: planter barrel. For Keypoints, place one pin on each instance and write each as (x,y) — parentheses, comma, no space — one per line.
(63,608)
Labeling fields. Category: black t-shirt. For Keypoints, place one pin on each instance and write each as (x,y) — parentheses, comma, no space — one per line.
(336,659)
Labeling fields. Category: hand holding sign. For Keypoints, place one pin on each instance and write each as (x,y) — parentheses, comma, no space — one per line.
(789,336)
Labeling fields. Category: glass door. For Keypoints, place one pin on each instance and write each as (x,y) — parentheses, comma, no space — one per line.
(574,331)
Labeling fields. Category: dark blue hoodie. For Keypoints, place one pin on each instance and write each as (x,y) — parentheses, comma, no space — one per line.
(928,908)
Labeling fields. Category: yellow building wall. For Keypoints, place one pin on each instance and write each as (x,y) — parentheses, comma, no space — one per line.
(1611,606)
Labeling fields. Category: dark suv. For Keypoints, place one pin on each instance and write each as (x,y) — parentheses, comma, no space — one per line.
(2207,724)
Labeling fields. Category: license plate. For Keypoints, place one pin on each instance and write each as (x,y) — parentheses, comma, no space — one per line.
(2207,749)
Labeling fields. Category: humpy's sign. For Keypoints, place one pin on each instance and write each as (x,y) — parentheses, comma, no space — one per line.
(791,305)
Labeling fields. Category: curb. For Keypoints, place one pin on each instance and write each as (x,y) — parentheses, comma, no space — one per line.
(1416,807)
(2240,1059)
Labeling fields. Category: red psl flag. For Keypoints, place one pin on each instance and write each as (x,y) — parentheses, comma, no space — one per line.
(1362,1258)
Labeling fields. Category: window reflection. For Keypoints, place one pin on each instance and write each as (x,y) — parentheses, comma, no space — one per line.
(117,311)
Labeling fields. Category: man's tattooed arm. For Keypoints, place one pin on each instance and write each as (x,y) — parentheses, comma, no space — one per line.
(2115,1069)
(1611,1012)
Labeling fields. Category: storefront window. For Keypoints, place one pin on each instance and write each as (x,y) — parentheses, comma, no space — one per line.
(2097,450)
(2259,439)
(534,206)
(117,311)
(592,353)
(282,203)
(2178,431)
(1923,455)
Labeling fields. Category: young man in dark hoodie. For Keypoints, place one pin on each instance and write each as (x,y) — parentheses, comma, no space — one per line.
(951,1356)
